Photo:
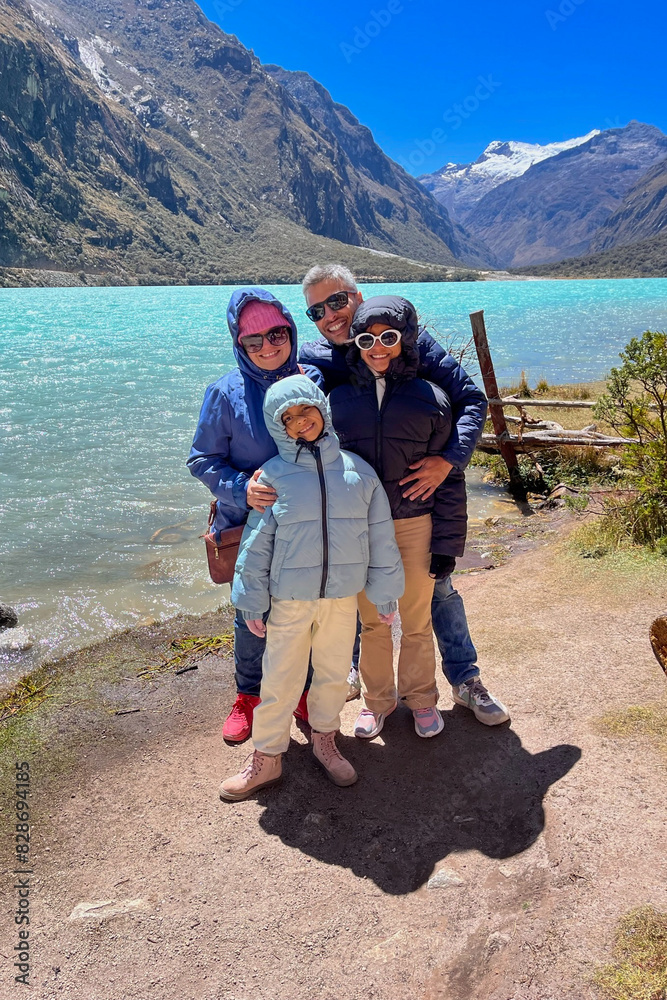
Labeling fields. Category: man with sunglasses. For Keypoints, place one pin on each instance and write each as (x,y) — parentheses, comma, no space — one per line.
(332,299)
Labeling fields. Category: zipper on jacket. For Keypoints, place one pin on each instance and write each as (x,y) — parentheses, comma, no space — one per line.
(325,528)
(378,432)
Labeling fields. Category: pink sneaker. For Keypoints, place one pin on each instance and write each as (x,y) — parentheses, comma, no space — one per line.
(238,724)
(260,771)
(369,724)
(428,721)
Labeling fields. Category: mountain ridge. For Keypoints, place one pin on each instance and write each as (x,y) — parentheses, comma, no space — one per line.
(553,210)
(631,243)
(459,186)
(225,150)
(358,142)
(642,214)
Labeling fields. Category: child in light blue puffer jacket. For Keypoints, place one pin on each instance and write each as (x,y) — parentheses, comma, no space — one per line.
(328,536)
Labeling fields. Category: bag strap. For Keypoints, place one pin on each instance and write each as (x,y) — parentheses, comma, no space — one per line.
(212,511)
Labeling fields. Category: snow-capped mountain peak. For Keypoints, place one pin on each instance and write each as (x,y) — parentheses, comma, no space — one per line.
(513,158)
(459,186)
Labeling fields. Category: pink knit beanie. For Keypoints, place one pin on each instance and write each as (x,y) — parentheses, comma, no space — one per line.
(256,317)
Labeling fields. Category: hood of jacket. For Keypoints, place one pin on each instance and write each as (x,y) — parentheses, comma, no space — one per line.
(239,299)
(298,390)
(399,314)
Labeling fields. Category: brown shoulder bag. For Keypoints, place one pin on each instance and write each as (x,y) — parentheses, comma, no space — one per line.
(222,555)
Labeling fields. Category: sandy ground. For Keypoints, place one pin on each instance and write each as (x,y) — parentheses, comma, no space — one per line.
(543,832)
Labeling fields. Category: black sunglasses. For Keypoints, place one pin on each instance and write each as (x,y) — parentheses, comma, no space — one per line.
(254,342)
(335,302)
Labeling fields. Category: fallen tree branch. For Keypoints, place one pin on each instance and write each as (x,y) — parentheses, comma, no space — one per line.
(554,439)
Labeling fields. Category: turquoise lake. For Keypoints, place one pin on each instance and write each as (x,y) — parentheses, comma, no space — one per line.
(99,395)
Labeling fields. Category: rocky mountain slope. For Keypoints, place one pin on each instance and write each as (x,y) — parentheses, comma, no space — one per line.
(556,207)
(459,186)
(631,243)
(642,214)
(373,165)
(141,141)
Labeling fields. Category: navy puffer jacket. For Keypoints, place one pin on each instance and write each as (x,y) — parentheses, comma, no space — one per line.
(232,441)
(436,365)
(413,421)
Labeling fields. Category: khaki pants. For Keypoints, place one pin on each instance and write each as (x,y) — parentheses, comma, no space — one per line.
(326,626)
(416,662)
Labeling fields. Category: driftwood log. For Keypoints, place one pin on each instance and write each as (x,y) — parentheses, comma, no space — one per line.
(554,439)
(537,425)
(566,404)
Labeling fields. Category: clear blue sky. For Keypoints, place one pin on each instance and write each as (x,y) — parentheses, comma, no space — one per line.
(551,70)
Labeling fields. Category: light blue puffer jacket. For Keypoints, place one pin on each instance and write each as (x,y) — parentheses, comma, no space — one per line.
(329,533)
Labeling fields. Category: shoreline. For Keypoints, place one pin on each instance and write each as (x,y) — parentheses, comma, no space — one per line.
(33,278)
(61,620)
(491,543)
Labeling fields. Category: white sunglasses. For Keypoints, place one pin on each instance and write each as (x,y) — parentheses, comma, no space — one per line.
(388,338)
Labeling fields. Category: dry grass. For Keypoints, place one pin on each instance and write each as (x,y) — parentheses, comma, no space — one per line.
(639,971)
(567,418)
(191,648)
(28,694)
(643,721)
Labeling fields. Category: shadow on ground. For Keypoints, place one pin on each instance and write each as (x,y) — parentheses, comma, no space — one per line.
(416,800)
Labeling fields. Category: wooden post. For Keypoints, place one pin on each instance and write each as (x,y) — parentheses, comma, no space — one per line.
(496,411)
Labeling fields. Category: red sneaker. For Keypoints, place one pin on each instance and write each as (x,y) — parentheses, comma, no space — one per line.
(238,724)
(301,710)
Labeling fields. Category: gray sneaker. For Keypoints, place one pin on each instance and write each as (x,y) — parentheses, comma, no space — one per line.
(473,695)
(354,684)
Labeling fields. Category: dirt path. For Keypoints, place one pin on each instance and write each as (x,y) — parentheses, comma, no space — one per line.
(543,833)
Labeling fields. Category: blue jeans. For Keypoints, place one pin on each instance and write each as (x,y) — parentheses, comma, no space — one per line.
(357,644)
(459,656)
(248,653)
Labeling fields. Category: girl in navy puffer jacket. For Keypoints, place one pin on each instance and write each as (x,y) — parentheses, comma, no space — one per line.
(328,536)
(230,446)
(394,419)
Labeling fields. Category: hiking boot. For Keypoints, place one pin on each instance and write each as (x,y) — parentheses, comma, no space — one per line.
(428,721)
(369,724)
(238,724)
(338,769)
(353,684)
(259,771)
(473,695)
(301,710)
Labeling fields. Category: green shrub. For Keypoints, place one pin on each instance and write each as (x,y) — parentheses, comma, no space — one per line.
(635,404)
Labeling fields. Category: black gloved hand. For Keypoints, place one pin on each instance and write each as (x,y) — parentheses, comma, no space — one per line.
(441,566)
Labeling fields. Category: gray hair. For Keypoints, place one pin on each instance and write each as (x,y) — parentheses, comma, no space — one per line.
(329,272)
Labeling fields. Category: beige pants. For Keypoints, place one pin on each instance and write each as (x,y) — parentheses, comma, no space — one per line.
(326,626)
(416,662)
